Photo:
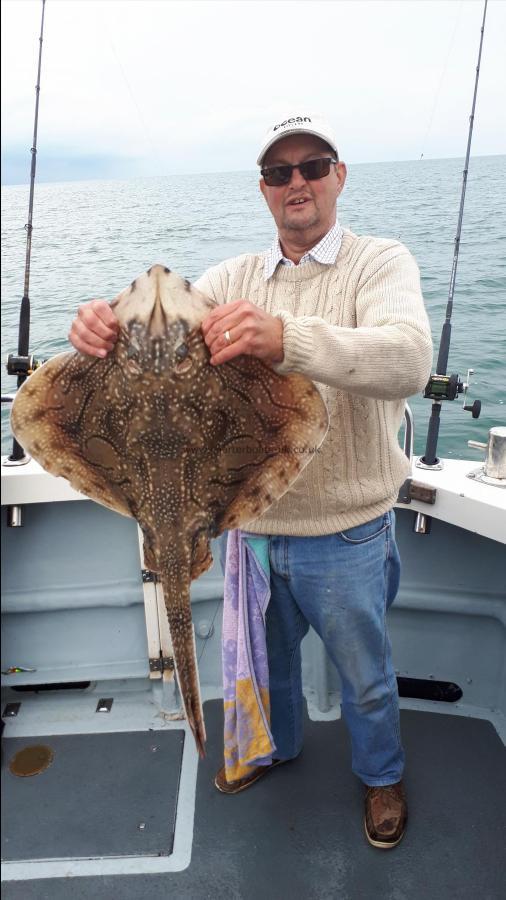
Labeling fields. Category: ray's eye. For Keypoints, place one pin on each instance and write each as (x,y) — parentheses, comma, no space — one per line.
(184,365)
(182,352)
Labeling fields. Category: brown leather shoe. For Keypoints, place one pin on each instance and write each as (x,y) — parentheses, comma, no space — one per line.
(386,814)
(233,787)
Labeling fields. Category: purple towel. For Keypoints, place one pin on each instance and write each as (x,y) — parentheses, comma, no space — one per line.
(248,739)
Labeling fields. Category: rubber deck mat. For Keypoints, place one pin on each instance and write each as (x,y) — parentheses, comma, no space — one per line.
(103,795)
(299,831)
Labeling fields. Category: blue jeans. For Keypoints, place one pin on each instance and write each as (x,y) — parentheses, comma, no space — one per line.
(342,584)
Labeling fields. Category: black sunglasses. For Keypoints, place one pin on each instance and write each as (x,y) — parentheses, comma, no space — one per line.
(312,170)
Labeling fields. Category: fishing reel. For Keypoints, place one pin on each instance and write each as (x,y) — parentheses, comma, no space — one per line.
(448,387)
(22,366)
(438,388)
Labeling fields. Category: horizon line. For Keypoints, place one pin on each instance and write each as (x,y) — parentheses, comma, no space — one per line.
(420,159)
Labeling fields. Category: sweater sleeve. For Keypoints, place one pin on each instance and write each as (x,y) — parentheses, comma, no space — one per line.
(388,355)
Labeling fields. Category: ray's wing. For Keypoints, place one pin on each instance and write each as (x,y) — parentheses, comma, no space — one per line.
(52,418)
(257,432)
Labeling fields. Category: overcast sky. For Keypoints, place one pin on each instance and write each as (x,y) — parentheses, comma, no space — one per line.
(152,87)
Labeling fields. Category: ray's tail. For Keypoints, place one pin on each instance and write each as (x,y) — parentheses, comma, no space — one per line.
(177,603)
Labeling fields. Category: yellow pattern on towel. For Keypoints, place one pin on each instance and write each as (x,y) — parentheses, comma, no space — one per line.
(254,741)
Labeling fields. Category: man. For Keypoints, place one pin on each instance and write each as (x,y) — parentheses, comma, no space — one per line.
(347,312)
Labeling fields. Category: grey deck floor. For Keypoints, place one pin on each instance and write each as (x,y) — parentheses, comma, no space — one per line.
(126,780)
(299,831)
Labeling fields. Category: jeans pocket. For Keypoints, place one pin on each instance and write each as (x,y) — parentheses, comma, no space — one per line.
(361,534)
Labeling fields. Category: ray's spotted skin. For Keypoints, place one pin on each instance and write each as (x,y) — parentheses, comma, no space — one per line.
(155,432)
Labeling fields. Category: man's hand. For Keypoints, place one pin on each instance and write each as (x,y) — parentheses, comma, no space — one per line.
(95,329)
(252,331)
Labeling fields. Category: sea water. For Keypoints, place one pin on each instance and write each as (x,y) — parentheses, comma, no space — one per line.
(92,238)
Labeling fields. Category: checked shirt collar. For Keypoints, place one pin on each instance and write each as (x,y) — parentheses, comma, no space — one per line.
(324,252)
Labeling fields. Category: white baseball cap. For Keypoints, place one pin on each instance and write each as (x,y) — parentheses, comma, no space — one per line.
(316,125)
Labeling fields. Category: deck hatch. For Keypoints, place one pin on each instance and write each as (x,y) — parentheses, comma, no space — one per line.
(91,800)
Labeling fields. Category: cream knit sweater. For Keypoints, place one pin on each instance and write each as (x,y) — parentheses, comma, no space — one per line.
(359,330)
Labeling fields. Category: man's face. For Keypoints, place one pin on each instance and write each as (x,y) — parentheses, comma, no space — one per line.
(316,214)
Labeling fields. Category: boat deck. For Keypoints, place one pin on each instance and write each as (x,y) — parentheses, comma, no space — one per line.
(298,832)
(114,819)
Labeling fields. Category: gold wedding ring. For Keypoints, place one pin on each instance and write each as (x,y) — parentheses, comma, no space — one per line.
(227,337)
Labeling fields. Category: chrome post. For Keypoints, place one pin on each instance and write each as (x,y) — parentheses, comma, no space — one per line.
(493,471)
(14,517)
(422,523)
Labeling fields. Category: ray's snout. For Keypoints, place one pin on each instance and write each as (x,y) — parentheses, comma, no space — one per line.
(156,313)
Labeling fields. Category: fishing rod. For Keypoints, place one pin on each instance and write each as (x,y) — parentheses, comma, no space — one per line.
(23,363)
(442,386)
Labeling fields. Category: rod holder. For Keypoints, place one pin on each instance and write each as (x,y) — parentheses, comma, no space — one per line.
(20,459)
(495,450)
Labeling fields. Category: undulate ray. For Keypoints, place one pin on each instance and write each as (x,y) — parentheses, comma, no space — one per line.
(155,432)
